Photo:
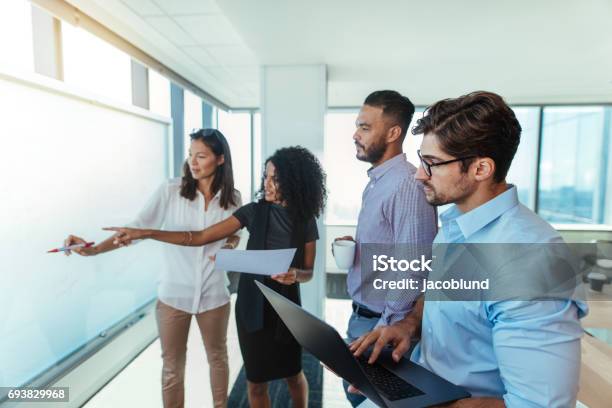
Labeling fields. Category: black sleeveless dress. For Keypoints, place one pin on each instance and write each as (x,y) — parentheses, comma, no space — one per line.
(268,349)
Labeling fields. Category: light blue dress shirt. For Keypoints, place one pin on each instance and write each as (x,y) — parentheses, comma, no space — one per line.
(526,352)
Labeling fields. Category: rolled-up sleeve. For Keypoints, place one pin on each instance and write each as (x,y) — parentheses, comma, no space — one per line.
(537,346)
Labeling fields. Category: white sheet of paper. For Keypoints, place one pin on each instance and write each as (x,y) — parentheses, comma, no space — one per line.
(260,262)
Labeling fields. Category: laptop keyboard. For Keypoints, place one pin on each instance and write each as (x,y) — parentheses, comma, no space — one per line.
(389,384)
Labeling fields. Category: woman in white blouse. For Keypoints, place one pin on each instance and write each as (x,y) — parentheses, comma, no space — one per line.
(189,286)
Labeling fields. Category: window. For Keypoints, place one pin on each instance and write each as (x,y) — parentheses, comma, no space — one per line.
(159,94)
(523,169)
(92,64)
(193,117)
(236,126)
(412,143)
(347,176)
(574,165)
(257,151)
(16,49)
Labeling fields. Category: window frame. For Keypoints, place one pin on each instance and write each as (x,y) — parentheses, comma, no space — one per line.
(534,203)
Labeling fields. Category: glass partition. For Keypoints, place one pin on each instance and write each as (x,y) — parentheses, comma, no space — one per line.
(94,65)
(69,177)
(574,164)
(236,126)
(16,48)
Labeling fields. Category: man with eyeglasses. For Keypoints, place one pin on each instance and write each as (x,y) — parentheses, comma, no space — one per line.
(393,209)
(523,353)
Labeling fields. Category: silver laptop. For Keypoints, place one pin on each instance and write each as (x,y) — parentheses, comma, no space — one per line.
(386,383)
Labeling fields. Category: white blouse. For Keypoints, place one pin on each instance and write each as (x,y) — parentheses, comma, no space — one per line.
(188,280)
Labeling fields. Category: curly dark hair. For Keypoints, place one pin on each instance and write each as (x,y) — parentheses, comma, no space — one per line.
(301,182)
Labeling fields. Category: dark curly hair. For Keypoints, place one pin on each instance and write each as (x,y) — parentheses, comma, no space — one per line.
(301,182)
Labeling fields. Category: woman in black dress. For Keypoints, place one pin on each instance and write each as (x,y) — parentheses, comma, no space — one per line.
(292,194)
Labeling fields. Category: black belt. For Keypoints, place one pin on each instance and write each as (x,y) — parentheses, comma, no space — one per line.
(364,311)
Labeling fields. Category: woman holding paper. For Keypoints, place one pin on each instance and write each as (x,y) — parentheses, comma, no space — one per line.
(189,285)
(293,194)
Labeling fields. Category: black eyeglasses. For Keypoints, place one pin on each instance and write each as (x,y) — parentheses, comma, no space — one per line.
(427,166)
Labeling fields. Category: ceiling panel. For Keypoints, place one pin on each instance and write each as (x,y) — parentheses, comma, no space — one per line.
(209,29)
(242,88)
(245,74)
(186,7)
(232,55)
(253,87)
(171,30)
(221,74)
(144,7)
(201,56)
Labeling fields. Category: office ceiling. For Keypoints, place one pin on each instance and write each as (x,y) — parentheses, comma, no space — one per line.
(546,51)
(192,37)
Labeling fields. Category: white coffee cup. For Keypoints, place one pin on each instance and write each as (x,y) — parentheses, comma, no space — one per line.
(344,253)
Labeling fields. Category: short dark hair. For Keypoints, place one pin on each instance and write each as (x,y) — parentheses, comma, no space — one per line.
(394,105)
(477,124)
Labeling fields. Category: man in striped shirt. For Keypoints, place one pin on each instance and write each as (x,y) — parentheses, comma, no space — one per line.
(393,210)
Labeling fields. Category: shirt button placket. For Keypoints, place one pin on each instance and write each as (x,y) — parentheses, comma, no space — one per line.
(197,287)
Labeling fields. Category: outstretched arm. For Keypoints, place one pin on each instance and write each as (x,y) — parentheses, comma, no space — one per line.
(213,233)
(104,246)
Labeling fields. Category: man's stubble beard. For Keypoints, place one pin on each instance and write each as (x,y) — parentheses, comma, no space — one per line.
(374,153)
(462,191)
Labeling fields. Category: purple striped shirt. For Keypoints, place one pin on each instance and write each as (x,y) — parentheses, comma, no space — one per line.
(393,210)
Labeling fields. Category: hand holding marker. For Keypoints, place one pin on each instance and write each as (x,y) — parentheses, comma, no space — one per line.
(70,247)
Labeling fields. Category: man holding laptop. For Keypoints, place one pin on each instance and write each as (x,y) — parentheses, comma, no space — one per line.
(523,353)
(394,209)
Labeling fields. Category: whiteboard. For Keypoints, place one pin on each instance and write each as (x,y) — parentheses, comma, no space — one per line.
(70,163)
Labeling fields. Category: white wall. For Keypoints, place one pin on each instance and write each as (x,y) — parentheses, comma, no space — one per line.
(293,105)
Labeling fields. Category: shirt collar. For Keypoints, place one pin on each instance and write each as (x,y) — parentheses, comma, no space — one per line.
(476,219)
(216,196)
(378,171)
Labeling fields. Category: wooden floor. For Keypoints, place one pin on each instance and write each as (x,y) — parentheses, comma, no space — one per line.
(596,372)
